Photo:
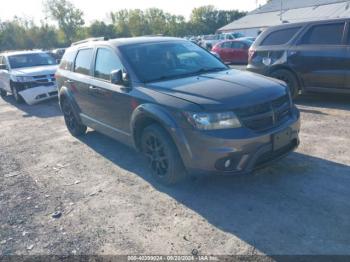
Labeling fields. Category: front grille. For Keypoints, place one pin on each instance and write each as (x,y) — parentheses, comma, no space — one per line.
(267,115)
(42,80)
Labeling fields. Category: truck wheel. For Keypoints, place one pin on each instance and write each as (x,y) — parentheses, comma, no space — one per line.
(16,95)
(290,80)
(3,93)
(73,125)
(162,155)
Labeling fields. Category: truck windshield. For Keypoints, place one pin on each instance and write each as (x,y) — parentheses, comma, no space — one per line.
(169,60)
(31,60)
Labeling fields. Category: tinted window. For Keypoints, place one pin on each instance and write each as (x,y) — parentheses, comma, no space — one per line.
(280,37)
(31,60)
(238,45)
(67,60)
(168,60)
(106,62)
(329,34)
(226,45)
(83,61)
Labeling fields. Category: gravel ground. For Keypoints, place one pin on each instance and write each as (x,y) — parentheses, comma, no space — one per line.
(110,205)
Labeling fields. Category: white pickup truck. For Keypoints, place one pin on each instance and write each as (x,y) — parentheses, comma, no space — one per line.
(28,75)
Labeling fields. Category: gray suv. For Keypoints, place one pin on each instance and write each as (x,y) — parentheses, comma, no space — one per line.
(178,104)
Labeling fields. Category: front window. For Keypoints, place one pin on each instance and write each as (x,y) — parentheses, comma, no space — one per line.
(170,60)
(31,60)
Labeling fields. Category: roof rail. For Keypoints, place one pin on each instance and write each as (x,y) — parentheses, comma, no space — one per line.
(92,39)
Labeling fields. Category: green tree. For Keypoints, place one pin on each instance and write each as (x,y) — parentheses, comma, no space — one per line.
(99,29)
(69,18)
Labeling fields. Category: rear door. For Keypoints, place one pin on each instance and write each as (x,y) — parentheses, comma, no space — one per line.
(225,51)
(319,56)
(239,52)
(81,79)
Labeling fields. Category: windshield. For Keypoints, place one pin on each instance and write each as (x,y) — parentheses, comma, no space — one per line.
(30,60)
(169,60)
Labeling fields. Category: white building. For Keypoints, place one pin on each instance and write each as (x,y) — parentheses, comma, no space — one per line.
(277,12)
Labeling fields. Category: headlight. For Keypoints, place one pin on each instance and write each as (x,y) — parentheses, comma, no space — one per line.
(213,121)
(24,79)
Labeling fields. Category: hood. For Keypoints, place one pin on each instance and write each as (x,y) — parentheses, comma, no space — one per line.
(35,71)
(223,90)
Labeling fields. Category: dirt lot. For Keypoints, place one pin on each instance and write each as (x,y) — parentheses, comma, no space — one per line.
(110,205)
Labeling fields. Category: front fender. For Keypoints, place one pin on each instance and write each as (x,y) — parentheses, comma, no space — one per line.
(167,121)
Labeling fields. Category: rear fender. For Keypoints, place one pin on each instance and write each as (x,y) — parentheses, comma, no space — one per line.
(65,94)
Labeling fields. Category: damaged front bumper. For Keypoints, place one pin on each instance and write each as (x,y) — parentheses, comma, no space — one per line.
(37,94)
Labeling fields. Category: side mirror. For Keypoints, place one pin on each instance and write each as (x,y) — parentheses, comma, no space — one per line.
(3,67)
(117,77)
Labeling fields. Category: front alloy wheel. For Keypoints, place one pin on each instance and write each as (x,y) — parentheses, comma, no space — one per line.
(16,95)
(3,93)
(162,155)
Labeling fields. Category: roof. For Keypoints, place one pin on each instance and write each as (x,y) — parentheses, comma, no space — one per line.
(293,11)
(24,52)
(126,41)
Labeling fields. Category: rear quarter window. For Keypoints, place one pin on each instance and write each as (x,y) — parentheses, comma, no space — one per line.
(280,37)
(68,60)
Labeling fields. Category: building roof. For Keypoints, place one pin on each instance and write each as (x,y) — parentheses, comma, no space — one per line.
(293,11)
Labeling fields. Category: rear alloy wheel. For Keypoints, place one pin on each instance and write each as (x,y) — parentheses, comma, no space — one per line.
(289,78)
(16,95)
(3,93)
(162,155)
(72,123)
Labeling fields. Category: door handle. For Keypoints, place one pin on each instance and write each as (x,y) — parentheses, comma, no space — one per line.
(70,81)
(94,88)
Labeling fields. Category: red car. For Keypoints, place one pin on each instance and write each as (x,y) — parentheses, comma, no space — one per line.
(233,51)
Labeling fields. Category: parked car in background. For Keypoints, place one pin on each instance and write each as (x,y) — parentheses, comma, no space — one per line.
(312,56)
(28,76)
(212,41)
(233,51)
(178,104)
(249,38)
(58,53)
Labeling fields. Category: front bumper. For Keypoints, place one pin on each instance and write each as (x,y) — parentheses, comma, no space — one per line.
(38,94)
(208,152)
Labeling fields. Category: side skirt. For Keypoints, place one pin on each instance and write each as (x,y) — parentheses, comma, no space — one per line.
(107,130)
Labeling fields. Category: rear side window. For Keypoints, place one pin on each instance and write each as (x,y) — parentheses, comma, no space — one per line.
(67,60)
(280,37)
(83,61)
(226,45)
(238,45)
(106,62)
(328,34)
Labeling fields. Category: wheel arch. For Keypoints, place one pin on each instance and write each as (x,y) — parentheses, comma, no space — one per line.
(287,68)
(146,115)
(65,95)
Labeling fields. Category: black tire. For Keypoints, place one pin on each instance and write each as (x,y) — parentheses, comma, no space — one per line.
(73,124)
(3,93)
(290,79)
(162,155)
(16,95)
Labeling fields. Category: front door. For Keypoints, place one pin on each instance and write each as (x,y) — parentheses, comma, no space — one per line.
(113,107)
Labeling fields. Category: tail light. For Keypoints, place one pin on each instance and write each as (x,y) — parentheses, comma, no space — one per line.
(251,54)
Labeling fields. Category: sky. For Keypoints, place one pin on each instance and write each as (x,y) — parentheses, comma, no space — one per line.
(98,9)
